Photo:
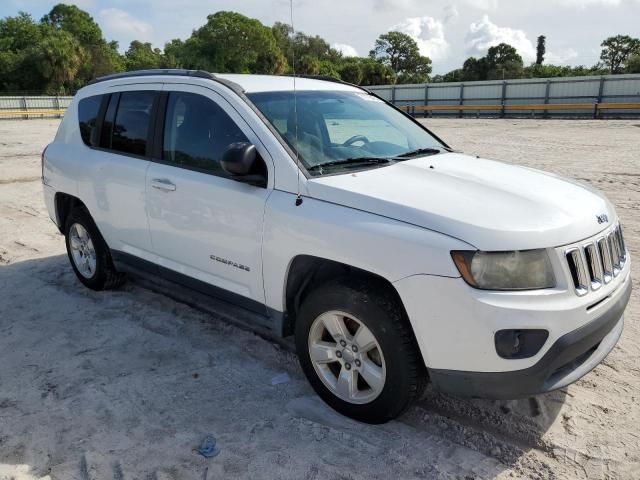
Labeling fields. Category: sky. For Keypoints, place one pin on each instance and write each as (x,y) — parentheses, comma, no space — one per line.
(447,31)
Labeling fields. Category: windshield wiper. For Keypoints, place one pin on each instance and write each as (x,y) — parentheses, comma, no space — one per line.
(351,161)
(422,151)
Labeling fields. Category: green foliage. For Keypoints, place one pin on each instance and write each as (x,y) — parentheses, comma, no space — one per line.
(231,42)
(141,56)
(18,68)
(550,71)
(59,58)
(375,73)
(400,52)
(99,57)
(617,50)
(633,65)
(452,76)
(503,62)
(66,49)
(351,71)
(78,23)
(500,63)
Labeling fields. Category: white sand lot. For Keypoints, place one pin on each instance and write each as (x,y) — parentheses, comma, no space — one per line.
(125,384)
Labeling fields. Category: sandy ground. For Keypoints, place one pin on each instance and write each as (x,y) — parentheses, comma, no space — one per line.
(125,384)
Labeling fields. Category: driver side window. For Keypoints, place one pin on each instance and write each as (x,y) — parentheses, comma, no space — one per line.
(197,132)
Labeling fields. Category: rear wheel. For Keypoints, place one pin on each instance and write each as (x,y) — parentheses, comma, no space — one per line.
(358,351)
(88,253)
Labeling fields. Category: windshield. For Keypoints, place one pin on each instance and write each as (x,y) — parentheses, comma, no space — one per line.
(338,130)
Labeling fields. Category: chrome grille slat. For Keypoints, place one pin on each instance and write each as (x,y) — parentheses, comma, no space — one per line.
(595,266)
(615,257)
(578,269)
(605,255)
(622,244)
(596,262)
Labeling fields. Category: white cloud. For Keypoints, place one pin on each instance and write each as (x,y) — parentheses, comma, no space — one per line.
(587,3)
(428,34)
(483,4)
(485,34)
(450,13)
(561,57)
(393,4)
(122,25)
(347,50)
(84,4)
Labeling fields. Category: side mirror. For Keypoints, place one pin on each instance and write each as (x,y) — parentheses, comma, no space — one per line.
(243,163)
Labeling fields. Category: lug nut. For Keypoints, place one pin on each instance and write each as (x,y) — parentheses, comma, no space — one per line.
(358,363)
(339,354)
(347,366)
(343,343)
(354,348)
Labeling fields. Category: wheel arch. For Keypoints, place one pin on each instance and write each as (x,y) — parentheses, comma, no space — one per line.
(64,205)
(307,272)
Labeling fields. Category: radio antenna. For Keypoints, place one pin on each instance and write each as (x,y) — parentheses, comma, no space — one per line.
(295,103)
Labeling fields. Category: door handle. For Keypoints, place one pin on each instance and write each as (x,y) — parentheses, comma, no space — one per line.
(163,184)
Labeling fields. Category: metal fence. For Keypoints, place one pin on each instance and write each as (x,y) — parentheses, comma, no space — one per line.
(33,106)
(601,96)
(566,96)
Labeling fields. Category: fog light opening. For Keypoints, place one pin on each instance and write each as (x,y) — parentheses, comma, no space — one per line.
(516,344)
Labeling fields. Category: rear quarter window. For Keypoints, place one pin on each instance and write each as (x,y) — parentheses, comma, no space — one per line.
(88,109)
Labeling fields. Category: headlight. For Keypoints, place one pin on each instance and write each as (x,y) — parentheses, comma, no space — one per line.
(517,270)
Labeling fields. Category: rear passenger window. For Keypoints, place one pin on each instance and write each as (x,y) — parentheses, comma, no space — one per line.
(132,122)
(107,123)
(88,109)
(197,132)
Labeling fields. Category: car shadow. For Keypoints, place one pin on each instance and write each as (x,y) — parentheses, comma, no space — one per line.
(500,430)
(503,429)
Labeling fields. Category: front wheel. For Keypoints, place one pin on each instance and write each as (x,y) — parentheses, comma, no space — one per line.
(358,351)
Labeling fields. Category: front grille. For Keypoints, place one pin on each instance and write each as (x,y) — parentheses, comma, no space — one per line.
(597,261)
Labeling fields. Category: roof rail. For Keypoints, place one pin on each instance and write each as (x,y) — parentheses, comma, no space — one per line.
(158,71)
(328,78)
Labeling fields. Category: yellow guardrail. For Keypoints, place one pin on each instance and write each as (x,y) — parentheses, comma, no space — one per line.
(594,107)
(31,113)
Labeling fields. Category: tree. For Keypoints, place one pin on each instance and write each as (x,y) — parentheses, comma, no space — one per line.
(376,73)
(452,76)
(541,49)
(310,52)
(142,56)
(400,52)
(503,62)
(231,42)
(101,57)
(59,58)
(549,71)
(633,65)
(75,21)
(351,71)
(19,36)
(617,50)
(174,54)
(474,69)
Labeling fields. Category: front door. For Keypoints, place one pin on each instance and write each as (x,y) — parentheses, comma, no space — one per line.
(204,225)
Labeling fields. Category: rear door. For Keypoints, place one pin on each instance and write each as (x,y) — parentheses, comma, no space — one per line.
(120,159)
(205,226)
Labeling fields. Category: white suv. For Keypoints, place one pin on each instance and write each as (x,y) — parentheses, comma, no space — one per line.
(328,214)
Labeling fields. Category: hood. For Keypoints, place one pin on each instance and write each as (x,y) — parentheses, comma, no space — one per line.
(488,204)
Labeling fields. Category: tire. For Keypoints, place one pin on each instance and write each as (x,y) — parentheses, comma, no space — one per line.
(101,273)
(400,377)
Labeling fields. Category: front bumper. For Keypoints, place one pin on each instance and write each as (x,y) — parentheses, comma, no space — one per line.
(571,356)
